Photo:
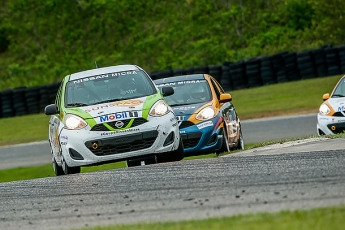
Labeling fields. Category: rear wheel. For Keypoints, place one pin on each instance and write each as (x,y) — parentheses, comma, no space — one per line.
(57,169)
(69,170)
(225,143)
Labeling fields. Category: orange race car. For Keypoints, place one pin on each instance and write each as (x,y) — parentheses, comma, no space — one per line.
(207,118)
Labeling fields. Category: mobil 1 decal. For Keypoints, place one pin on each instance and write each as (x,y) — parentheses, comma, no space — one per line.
(119,116)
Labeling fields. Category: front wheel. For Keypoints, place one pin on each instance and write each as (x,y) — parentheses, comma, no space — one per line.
(57,169)
(175,155)
(240,142)
(225,143)
(69,170)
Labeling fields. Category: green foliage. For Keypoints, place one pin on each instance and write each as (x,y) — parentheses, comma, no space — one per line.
(44,40)
(299,14)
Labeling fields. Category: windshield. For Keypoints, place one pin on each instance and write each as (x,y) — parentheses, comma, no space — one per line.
(107,88)
(340,90)
(188,92)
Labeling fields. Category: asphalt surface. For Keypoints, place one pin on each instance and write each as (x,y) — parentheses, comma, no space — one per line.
(295,175)
(254,131)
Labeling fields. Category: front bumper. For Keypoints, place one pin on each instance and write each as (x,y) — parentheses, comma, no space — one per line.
(84,147)
(330,125)
(203,138)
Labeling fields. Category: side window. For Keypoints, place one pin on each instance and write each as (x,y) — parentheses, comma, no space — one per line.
(58,95)
(215,88)
(219,87)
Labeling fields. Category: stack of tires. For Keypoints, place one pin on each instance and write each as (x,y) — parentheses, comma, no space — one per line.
(238,75)
(226,78)
(18,99)
(341,51)
(252,70)
(44,97)
(179,72)
(268,74)
(332,60)
(199,69)
(320,62)
(305,63)
(7,103)
(290,67)
(32,99)
(215,71)
(278,65)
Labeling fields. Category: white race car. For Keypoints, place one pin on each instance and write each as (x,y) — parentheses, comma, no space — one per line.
(111,114)
(331,116)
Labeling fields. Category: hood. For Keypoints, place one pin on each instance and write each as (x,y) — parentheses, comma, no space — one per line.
(117,110)
(187,110)
(338,104)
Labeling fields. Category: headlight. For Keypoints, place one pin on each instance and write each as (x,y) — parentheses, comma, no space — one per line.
(159,109)
(74,122)
(324,109)
(206,113)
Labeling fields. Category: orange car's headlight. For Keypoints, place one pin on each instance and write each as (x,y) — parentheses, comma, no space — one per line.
(206,113)
(324,109)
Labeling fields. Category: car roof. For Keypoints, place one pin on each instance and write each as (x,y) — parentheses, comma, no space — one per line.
(180,78)
(103,70)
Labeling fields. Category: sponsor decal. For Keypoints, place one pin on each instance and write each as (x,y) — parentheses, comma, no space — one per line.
(185,108)
(205,124)
(63,143)
(175,124)
(104,76)
(180,83)
(128,103)
(341,108)
(119,116)
(119,131)
(180,118)
(64,138)
(98,108)
(323,118)
(173,119)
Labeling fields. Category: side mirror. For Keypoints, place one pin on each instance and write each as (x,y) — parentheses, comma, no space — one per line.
(51,109)
(325,96)
(167,91)
(225,97)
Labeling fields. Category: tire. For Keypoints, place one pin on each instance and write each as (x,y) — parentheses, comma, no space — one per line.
(175,155)
(57,169)
(240,143)
(133,163)
(225,143)
(69,170)
(178,154)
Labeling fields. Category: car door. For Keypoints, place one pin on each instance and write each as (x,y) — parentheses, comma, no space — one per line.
(55,124)
(229,114)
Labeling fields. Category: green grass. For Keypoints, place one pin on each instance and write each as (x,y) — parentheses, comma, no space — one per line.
(304,96)
(331,218)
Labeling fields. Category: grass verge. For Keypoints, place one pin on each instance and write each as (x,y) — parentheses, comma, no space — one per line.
(330,218)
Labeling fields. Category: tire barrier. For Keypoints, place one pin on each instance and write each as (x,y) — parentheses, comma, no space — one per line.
(254,72)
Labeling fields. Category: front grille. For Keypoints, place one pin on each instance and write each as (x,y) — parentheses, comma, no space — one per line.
(190,140)
(185,124)
(136,122)
(122,144)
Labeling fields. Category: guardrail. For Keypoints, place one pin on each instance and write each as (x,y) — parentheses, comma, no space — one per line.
(253,72)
